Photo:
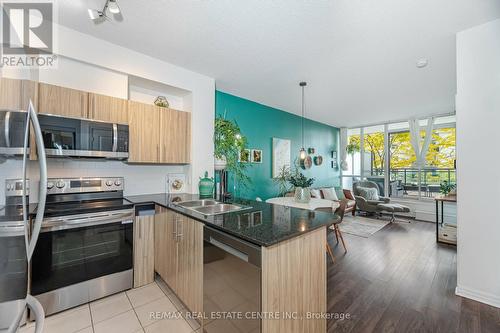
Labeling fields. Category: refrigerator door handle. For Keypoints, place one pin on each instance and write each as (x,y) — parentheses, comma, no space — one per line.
(42,191)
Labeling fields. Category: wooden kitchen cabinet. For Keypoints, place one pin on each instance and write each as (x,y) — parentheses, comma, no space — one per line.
(62,101)
(15,94)
(144,133)
(175,136)
(165,245)
(179,256)
(11,94)
(107,108)
(190,263)
(144,250)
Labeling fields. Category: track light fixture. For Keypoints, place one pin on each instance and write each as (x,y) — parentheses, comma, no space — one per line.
(109,6)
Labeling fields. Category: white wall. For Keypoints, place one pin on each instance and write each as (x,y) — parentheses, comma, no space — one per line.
(94,65)
(478,135)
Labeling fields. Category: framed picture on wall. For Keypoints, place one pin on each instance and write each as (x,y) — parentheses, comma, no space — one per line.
(334,159)
(256,156)
(281,155)
(244,156)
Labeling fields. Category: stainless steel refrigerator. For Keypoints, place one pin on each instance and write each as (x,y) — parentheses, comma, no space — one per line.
(17,238)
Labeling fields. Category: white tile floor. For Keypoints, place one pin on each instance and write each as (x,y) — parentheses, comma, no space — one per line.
(126,312)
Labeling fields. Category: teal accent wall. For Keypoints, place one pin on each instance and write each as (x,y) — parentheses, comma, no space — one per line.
(260,124)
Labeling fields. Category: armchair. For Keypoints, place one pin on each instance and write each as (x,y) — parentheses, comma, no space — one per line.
(364,204)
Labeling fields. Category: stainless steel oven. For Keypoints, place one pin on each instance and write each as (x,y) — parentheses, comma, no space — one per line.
(74,137)
(82,257)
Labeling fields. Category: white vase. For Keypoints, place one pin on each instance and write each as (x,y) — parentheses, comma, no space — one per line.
(302,195)
(220,163)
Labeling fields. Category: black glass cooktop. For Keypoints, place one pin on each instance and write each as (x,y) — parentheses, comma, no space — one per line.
(85,206)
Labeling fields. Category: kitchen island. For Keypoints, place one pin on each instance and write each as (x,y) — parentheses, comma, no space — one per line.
(292,258)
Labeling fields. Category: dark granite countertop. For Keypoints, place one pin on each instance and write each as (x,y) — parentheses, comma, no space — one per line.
(264,224)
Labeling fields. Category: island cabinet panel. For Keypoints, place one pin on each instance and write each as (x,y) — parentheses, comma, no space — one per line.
(144,133)
(175,136)
(165,244)
(294,281)
(144,250)
(62,101)
(190,263)
(107,108)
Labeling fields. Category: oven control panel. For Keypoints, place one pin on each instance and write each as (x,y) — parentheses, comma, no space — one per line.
(84,184)
(14,187)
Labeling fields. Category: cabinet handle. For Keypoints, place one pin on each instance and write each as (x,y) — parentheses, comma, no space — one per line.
(180,234)
(140,228)
(175,228)
(158,152)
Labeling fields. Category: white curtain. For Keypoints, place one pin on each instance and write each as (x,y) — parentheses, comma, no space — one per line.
(343,148)
(420,149)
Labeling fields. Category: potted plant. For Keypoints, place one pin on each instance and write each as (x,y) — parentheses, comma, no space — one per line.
(301,184)
(228,143)
(446,188)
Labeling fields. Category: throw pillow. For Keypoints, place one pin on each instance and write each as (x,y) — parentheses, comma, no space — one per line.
(368,193)
(329,194)
(315,193)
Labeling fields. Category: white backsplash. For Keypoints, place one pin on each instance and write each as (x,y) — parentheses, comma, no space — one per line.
(139,179)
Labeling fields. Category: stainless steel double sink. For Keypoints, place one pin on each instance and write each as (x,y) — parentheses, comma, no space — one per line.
(211,207)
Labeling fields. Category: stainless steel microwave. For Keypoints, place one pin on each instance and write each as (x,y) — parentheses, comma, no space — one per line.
(74,137)
(12,131)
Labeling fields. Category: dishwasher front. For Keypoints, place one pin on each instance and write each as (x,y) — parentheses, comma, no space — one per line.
(231,284)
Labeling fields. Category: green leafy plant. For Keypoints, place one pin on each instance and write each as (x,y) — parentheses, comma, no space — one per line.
(445,187)
(352,147)
(299,180)
(228,143)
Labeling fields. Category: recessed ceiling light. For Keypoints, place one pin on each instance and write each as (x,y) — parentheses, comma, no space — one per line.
(421,63)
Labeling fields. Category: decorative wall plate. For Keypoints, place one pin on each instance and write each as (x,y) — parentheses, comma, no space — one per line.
(306,163)
(318,160)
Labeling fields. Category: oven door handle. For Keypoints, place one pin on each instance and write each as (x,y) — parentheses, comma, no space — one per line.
(79,222)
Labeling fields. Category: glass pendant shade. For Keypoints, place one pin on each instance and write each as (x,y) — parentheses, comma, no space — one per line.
(302,154)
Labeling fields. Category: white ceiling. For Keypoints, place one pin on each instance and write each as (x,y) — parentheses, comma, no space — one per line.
(357,56)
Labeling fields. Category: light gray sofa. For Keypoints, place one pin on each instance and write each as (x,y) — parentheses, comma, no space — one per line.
(364,204)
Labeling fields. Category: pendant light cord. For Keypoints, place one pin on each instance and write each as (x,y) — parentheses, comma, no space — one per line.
(303,106)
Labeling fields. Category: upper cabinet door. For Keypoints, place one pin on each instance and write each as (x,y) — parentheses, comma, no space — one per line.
(11,94)
(62,101)
(175,136)
(16,94)
(106,108)
(144,133)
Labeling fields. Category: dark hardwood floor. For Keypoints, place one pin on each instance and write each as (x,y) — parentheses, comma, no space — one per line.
(400,280)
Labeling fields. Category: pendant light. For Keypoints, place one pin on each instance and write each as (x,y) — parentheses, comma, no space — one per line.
(302,152)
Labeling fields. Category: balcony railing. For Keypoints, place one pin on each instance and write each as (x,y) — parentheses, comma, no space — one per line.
(404,181)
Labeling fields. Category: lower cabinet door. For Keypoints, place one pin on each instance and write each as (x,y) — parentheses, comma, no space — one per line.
(165,247)
(190,263)
(144,250)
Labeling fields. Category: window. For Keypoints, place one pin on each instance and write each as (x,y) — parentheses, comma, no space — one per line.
(353,171)
(400,177)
